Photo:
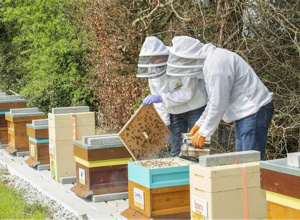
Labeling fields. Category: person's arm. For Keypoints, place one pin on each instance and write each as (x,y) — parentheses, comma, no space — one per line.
(182,95)
(155,86)
(219,86)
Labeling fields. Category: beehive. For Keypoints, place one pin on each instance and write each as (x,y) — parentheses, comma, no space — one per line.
(281,180)
(17,133)
(227,186)
(38,142)
(159,188)
(65,126)
(101,165)
(8,102)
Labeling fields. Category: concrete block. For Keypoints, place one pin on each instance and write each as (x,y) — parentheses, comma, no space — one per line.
(40,122)
(110,197)
(229,158)
(293,159)
(67,110)
(3,146)
(43,167)
(68,180)
(22,153)
(24,111)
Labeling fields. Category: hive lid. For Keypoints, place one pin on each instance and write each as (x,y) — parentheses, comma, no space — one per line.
(100,141)
(19,112)
(145,134)
(67,110)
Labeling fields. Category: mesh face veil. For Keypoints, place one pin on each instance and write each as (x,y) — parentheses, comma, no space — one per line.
(185,58)
(152,58)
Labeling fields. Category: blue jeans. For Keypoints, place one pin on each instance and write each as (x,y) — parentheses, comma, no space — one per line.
(180,123)
(251,131)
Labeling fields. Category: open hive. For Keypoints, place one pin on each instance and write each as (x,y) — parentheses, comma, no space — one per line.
(227,186)
(17,131)
(101,165)
(8,102)
(157,188)
(65,126)
(281,180)
(38,142)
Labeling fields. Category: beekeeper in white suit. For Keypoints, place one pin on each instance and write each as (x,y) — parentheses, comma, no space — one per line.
(235,94)
(181,97)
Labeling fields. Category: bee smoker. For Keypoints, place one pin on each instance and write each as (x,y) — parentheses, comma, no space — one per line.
(190,151)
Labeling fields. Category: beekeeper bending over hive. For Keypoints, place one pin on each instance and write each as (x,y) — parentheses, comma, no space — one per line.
(180,100)
(235,94)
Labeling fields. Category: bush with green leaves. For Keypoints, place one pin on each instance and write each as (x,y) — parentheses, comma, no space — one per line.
(43,54)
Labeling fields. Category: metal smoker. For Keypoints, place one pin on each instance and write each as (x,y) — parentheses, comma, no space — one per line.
(190,151)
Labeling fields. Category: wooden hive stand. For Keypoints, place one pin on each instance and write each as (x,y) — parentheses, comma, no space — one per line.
(101,167)
(17,131)
(8,102)
(281,180)
(227,186)
(65,126)
(38,143)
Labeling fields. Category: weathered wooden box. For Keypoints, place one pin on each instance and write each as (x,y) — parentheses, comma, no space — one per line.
(17,132)
(65,126)
(229,191)
(8,102)
(281,182)
(101,165)
(38,143)
(159,188)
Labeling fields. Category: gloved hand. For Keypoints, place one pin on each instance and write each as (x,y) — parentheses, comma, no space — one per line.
(168,139)
(152,99)
(194,129)
(197,140)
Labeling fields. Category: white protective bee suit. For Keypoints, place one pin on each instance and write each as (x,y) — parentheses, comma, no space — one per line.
(234,90)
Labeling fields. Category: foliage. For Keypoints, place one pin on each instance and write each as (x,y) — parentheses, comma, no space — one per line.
(43,56)
(265,33)
(12,206)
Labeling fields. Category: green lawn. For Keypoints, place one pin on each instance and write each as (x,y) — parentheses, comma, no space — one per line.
(12,206)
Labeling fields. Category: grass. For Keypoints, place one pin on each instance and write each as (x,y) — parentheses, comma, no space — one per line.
(12,206)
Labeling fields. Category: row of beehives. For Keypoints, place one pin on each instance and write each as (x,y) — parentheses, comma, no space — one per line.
(226,186)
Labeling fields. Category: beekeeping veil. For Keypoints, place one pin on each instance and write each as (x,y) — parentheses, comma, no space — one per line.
(152,58)
(185,57)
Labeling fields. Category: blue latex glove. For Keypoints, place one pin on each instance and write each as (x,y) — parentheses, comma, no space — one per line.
(168,139)
(152,99)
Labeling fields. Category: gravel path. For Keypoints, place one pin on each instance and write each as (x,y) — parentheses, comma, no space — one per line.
(32,195)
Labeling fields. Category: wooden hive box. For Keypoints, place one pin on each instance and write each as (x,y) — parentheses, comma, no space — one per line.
(228,188)
(65,126)
(101,165)
(8,102)
(159,188)
(153,192)
(17,131)
(38,142)
(281,180)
